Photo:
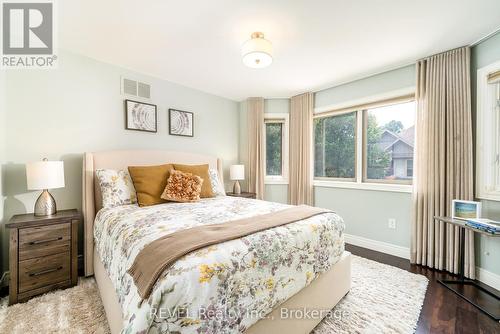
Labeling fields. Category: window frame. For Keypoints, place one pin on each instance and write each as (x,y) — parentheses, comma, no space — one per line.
(361,181)
(282,118)
(487,153)
(356,148)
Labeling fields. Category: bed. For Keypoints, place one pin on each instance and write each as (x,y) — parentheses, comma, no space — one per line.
(251,285)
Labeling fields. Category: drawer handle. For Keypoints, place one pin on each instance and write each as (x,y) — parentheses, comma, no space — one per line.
(38,242)
(43,272)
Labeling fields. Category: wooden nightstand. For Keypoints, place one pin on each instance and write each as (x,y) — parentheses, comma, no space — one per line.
(243,194)
(43,253)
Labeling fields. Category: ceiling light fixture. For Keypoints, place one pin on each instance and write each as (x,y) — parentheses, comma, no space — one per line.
(257,52)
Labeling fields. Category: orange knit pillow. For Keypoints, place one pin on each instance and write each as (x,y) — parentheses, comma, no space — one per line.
(182,187)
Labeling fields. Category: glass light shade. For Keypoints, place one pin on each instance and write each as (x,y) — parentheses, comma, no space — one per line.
(237,172)
(257,52)
(45,175)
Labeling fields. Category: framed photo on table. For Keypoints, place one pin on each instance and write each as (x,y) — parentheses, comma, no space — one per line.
(465,209)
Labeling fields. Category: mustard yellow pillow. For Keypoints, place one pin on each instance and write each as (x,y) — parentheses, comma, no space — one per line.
(182,187)
(201,171)
(149,183)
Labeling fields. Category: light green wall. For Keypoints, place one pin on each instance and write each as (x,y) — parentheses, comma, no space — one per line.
(366,212)
(273,106)
(61,113)
(487,249)
(485,53)
(276,193)
(381,83)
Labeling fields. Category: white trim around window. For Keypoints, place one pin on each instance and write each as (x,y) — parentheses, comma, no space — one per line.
(359,182)
(391,187)
(282,118)
(487,137)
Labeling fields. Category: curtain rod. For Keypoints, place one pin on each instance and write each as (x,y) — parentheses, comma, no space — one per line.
(479,41)
(435,54)
(482,39)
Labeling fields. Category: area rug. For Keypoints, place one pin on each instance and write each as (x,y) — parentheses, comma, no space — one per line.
(383,299)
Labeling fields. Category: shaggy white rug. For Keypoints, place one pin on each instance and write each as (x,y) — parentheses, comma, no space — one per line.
(383,299)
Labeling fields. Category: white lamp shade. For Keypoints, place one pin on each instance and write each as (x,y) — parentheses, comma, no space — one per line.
(45,175)
(237,172)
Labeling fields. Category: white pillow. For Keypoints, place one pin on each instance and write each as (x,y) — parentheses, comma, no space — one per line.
(217,186)
(117,187)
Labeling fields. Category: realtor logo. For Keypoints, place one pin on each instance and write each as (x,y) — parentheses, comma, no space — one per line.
(28,34)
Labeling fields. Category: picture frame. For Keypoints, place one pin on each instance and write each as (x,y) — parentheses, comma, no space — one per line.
(141,116)
(464,210)
(181,123)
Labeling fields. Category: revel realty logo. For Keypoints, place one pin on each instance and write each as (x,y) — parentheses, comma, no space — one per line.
(28,35)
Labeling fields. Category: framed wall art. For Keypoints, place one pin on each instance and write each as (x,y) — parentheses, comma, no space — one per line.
(181,123)
(140,116)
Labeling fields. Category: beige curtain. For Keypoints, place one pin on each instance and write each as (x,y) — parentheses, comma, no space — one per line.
(255,110)
(443,159)
(301,113)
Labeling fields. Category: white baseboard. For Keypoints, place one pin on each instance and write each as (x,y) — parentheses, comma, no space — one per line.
(4,280)
(487,277)
(378,246)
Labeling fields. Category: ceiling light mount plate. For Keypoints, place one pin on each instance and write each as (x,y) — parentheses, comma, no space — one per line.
(257,52)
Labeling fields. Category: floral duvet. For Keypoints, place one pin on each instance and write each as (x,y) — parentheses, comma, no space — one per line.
(219,289)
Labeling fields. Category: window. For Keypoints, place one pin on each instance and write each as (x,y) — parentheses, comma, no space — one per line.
(390,136)
(276,148)
(366,145)
(409,167)
(335,146)
(488,132)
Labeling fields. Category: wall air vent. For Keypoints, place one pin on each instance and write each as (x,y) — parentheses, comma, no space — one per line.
(143,90)
(136,88)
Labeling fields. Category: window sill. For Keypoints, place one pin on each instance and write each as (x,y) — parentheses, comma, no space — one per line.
(399,188)
(489,196)
(276,181)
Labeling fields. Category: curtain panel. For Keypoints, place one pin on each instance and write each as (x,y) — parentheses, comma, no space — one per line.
(444,161)
(301,123)
(256,172)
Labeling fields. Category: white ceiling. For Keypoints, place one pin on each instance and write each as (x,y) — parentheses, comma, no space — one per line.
(317,44)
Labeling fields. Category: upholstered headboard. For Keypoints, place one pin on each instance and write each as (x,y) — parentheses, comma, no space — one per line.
(121,160)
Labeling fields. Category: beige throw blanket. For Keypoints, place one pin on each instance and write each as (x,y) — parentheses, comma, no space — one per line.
(160,254)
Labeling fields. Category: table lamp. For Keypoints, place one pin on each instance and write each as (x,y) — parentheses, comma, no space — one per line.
(236,173)
(44,175)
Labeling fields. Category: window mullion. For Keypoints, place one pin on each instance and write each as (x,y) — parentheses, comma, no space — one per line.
(359,146)
(496,157)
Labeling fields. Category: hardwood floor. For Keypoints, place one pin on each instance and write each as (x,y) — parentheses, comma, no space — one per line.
(443,311)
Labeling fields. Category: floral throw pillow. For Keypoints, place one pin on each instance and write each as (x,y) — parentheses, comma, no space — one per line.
(217,186)
(182,187)
(116,188)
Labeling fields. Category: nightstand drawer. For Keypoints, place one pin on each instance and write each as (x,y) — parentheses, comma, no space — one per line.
(39,272)
(44,240)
